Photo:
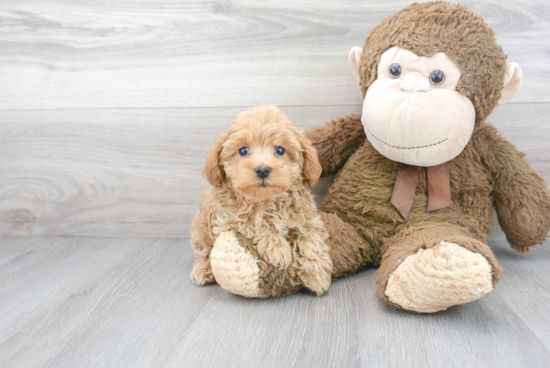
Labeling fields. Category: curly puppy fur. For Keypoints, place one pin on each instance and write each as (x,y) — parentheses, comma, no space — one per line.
(277,213)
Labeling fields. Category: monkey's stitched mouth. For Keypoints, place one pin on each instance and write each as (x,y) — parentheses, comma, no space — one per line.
(391,145)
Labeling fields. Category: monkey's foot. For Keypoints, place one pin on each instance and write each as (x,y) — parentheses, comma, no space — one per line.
(437,278)
(239,269)
(235,268)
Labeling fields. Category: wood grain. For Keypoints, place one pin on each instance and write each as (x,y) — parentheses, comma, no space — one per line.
(119,302)
(138,171)
(66,54)
(112,172)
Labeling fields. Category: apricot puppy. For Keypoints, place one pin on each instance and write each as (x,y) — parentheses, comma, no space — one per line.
(258,171)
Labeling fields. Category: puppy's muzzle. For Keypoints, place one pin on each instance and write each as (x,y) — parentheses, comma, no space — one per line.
(262,172)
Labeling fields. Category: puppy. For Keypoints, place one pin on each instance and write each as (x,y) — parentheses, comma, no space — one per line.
(258,171)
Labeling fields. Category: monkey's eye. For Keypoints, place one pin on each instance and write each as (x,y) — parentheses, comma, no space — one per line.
(395,70)
(279,150)
(437,77)
(243,151)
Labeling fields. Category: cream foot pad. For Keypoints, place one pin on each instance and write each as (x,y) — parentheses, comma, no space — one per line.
(234,268)
(434,279)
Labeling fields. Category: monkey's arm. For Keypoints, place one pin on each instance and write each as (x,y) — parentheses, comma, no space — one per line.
(336,141)
(521,196)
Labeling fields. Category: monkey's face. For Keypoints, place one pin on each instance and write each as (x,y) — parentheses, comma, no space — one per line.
(413,113)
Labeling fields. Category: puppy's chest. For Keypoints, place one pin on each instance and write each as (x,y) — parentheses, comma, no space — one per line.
(261,221)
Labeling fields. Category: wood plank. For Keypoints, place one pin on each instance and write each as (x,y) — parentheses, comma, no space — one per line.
(138,172)
(58,265)
(118,302)
(75,298)
(484,333)
(524,276)
(66,54)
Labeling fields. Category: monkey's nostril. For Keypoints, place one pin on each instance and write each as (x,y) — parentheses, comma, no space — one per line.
(262,172)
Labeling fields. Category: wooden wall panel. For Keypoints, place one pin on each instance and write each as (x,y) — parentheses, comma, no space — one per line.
(169,53)
(138,171)
(106,108)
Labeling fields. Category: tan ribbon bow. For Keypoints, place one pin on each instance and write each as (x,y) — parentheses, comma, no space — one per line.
(439,188)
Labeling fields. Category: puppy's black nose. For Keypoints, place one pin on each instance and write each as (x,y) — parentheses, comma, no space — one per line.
(262,172)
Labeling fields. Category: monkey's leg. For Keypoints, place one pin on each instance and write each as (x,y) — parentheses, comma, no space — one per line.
(348,250)
(430,267)
(239,269)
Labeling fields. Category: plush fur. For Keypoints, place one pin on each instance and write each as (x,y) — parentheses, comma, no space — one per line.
(365,229)
(277,214)
(489,173)
(428,28)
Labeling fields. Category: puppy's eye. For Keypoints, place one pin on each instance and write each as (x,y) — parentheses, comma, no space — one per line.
(395,70)
(437,77)
(243,151)
(280,150)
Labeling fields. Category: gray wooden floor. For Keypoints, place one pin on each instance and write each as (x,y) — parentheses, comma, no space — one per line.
(106,110)
(112,302)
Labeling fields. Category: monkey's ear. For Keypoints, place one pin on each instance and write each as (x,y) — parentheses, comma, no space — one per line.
(311,168)
(212,170)
(512,82)
(354,58)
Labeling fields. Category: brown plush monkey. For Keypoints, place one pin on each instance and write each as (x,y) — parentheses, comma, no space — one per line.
(420,172)
(430,75)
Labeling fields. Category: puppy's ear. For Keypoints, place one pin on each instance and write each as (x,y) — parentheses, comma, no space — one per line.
(311,168)
(213,171)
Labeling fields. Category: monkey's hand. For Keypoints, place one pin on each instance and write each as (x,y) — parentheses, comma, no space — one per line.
(336,141)
(523,206)
(525,225)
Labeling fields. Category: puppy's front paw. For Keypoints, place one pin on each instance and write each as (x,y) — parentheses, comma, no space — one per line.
(316,274)
(275,250)
(201,272)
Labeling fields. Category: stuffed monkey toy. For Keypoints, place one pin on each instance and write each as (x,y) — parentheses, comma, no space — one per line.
(419,173)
